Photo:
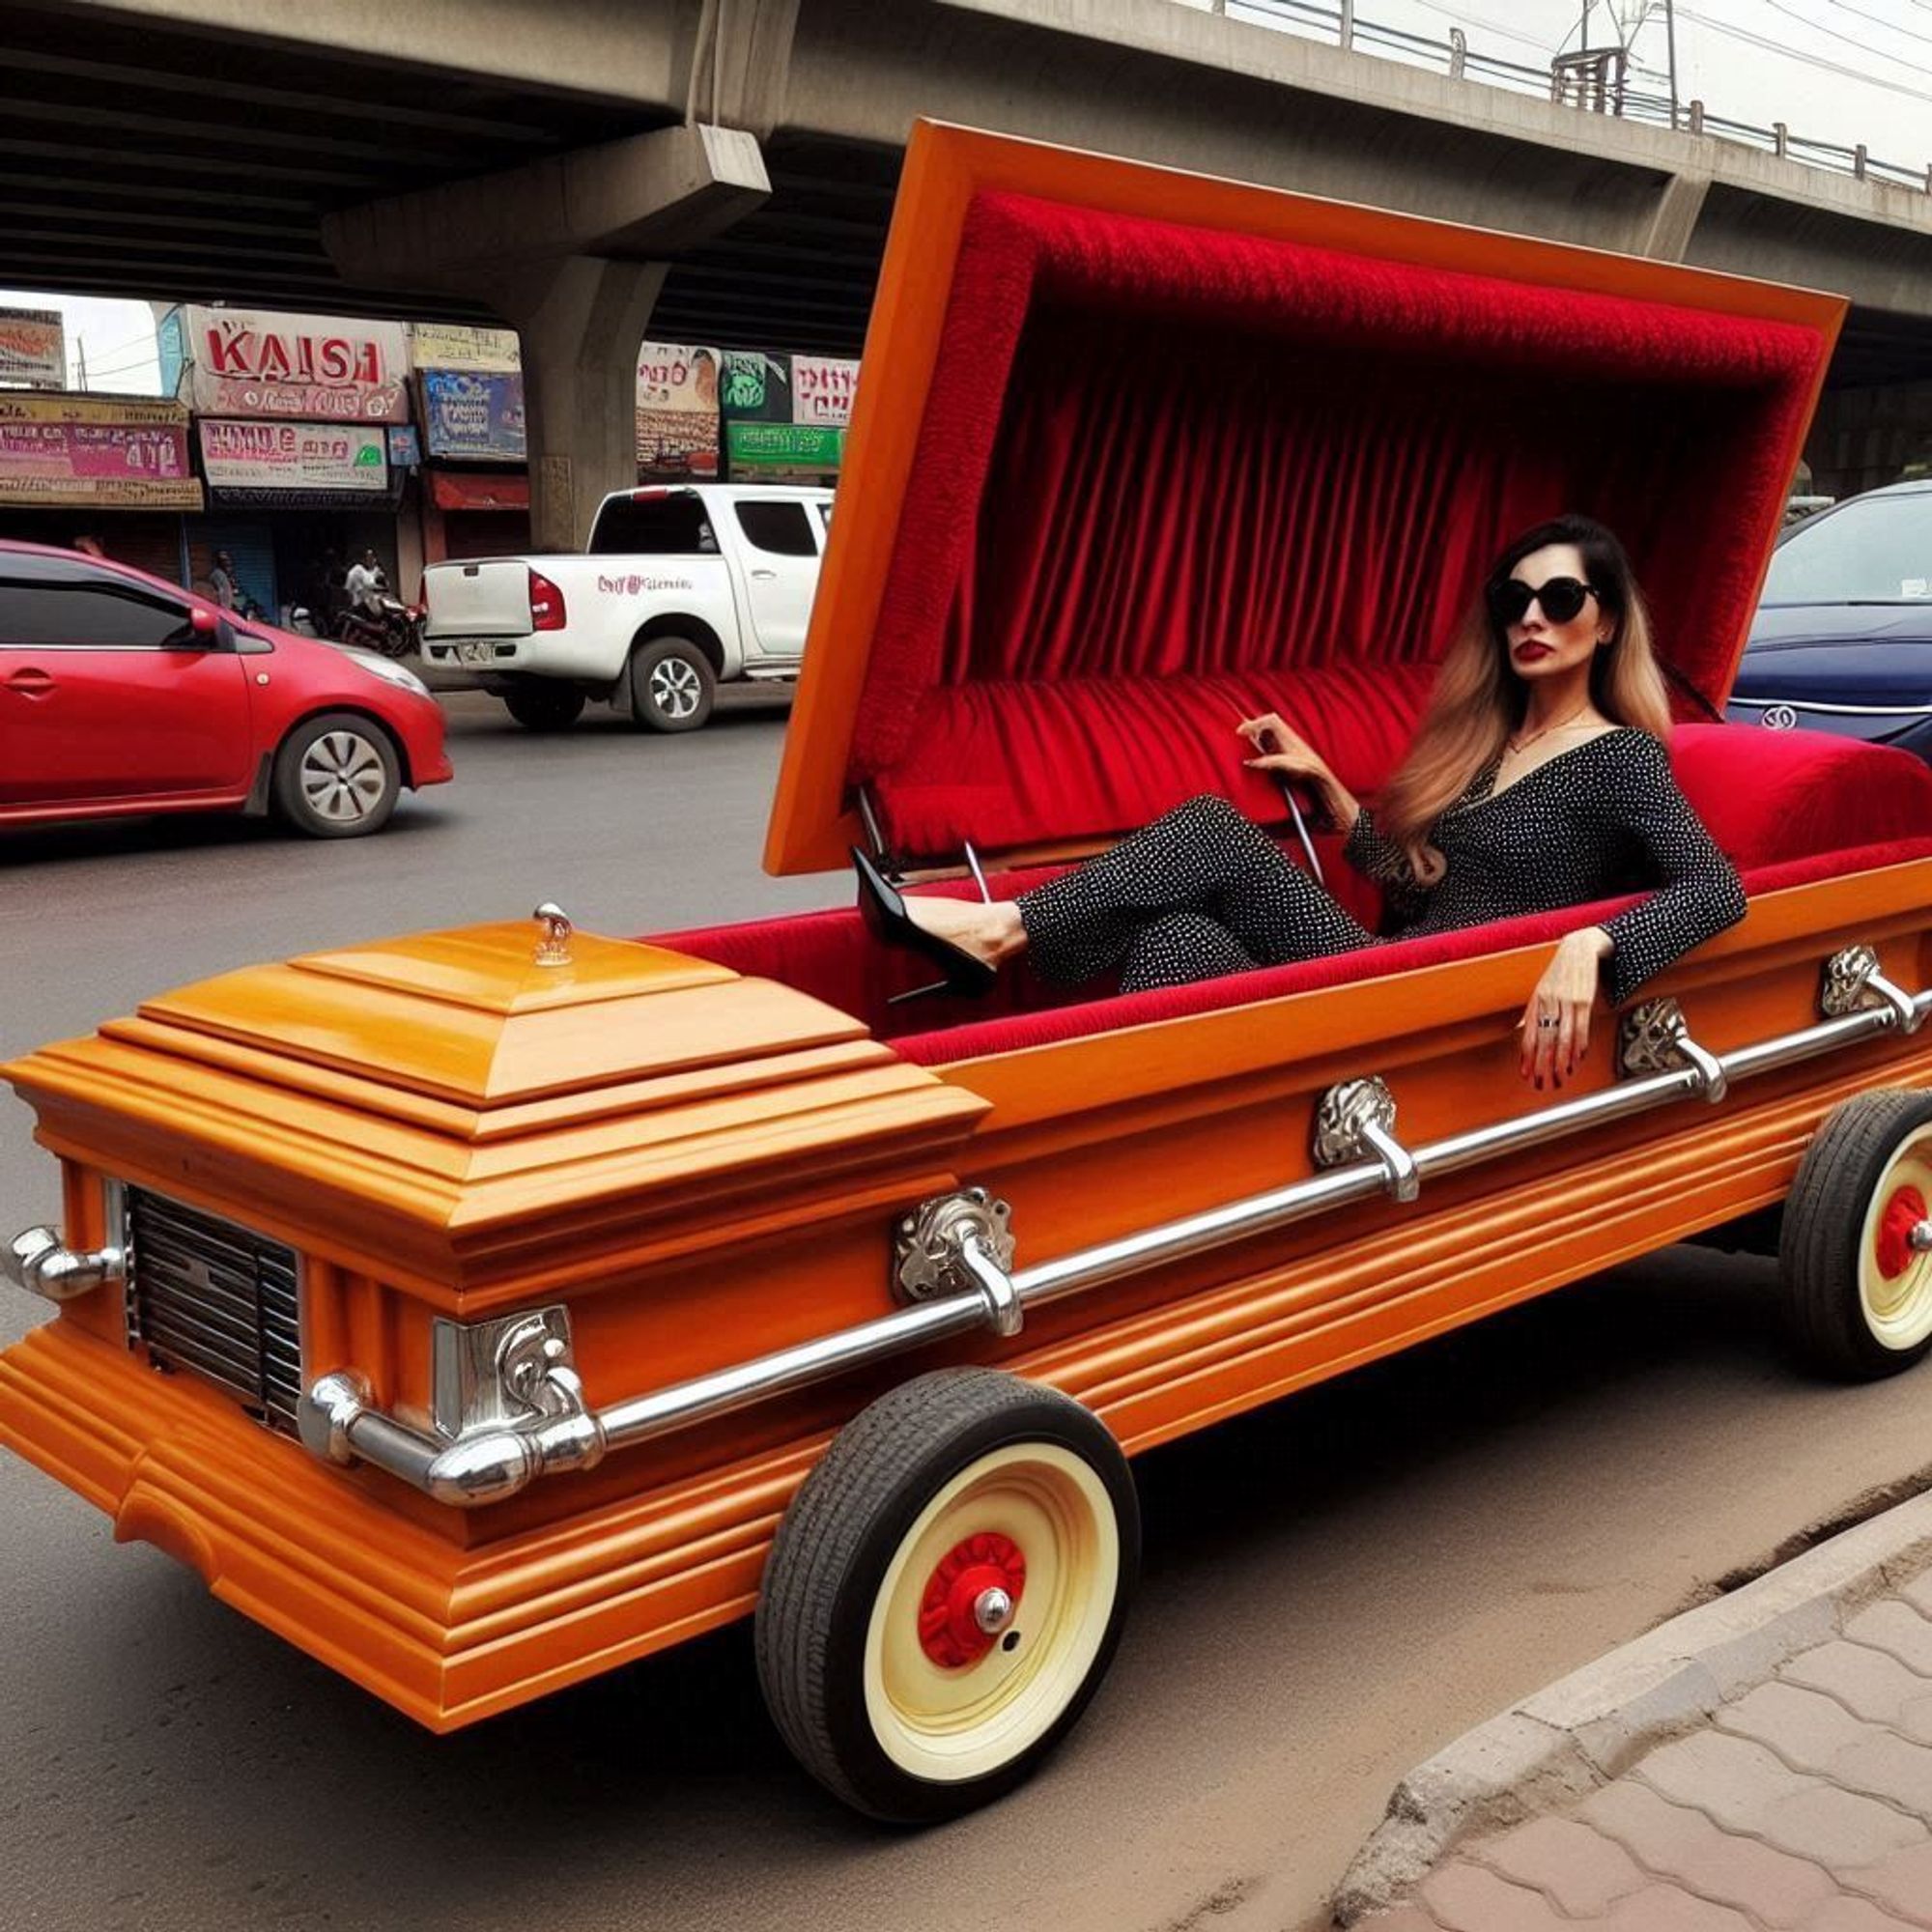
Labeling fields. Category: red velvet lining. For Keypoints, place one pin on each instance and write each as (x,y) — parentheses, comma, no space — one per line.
(1788,808)
(1163,467)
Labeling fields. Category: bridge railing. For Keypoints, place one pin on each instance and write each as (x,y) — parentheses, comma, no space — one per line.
(1598,82)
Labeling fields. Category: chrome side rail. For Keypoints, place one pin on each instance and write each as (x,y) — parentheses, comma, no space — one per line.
(956,1269)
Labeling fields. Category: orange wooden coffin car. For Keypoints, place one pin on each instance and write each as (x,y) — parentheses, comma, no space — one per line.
(526,1301)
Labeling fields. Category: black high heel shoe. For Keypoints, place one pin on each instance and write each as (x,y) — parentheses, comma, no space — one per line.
(885,913)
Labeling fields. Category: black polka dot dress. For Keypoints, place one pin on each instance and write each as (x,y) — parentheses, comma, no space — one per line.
(1203,892)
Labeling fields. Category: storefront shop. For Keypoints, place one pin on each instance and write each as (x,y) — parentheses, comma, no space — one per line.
(294,504)
(112,472)
(477,496)
(785,416)
(677,412)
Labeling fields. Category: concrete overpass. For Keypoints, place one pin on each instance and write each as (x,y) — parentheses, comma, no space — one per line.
(558,166)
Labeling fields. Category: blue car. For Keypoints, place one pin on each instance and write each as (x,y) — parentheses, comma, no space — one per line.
(1842,640)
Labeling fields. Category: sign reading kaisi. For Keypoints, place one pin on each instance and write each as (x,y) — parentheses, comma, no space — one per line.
(252,362)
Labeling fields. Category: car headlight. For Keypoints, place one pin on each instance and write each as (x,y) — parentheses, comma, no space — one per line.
(388,672)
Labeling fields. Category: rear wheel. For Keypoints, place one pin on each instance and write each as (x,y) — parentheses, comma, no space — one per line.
(671,684)
(946,1593)
(1855,1256)
(337,777)
(545,707)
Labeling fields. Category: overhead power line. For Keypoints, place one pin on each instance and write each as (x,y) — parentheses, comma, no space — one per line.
(1879,20)
(1758,40)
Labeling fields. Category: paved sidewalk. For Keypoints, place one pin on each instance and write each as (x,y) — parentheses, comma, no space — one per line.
(1768,1765)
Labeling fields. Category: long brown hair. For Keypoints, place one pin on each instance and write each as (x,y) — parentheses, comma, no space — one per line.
(1478,700)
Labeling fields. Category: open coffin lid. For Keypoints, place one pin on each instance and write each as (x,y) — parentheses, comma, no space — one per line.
(1137,453)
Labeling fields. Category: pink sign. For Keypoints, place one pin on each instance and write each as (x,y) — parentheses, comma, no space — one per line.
(78,450)
(822,387)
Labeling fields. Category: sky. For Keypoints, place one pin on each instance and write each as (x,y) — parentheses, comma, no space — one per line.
(1835,71)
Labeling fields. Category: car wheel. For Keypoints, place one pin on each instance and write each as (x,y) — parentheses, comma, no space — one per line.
(1855,1256)
(946,1592)
(673,685)
(545,707)
(337,777)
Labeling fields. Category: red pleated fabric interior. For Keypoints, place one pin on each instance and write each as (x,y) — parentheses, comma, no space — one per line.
(1169,475)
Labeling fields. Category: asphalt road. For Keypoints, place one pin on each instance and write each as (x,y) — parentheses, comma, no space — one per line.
(1333,1589)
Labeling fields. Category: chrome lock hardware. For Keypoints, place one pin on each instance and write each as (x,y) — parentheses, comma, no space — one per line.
(554,948)
(959,1244)
(37,1262)
(1655,1037)
(1355,1121)
(1853,983)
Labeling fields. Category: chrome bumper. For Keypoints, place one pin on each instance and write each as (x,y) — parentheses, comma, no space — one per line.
(509,1406)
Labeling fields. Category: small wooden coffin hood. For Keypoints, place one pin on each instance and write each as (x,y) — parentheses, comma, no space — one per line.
(1137,452)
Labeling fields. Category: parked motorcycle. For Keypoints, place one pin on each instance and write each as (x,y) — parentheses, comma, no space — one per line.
(389,626)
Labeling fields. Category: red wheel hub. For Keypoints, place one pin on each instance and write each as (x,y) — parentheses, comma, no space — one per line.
(1903,1212)
(949,1630)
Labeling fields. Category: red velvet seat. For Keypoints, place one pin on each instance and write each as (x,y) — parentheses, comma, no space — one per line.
(1787,807)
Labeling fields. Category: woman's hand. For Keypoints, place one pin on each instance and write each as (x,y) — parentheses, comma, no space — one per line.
(1556,1025)
(1282,750)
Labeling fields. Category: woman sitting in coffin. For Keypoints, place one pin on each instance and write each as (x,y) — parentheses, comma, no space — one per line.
(1538,780)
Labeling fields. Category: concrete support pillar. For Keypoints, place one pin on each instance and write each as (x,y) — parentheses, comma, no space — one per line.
(1667,236)
(580,320)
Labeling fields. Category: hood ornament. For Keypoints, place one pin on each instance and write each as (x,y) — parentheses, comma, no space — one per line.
(554,948)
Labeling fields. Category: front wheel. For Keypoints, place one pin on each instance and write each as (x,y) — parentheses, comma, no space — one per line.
(545,707)
(337,777)
(673,685)
(946,1592)
(1855,1256)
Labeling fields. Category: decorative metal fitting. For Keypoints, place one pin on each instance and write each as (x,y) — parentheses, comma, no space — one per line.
(928,1253)
(1919,1239)
(554,948)
(1853,984)
(38,1263)
(325,1413)
(508,1373)
(993,1611)
(1355,1121)
(1655,1037)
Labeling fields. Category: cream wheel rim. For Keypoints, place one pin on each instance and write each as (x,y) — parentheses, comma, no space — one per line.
(1895,1277)
(967,1722)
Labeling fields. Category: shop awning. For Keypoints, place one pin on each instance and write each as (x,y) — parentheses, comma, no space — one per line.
(459,490)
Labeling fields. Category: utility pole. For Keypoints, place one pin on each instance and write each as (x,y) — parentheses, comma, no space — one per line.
(1670,48)
(80,350)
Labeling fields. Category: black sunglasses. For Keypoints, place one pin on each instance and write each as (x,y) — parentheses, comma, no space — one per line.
(1561,598)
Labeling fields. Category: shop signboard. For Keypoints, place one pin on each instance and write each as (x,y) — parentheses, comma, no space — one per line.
(756,386)
(334,460)
(444,345)
(475,415)
(810,446)
(111,452)
(677,411)
(254,362)
(33,348)
(822,387)
(405,447)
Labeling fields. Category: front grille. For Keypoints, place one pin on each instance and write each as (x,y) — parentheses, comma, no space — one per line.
(215,1300)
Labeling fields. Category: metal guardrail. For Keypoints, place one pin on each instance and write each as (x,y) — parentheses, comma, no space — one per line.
(1570,81)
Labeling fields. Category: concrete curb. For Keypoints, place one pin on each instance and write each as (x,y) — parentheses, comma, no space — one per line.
(1588,1728)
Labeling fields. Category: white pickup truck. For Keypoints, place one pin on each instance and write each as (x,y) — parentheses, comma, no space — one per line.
(684,587)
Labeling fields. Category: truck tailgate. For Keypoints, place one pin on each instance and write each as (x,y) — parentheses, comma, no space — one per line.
(490,599)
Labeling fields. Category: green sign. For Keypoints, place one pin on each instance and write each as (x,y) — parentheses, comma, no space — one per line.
(797,445)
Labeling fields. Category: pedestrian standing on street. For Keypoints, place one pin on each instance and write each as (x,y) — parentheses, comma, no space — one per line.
(221,579)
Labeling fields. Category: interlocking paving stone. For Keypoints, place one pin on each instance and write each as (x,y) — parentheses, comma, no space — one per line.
(1404,1918)
(1896,1627)
(1660,1835)
(1870,1683)
(1854,1915)
(1892,1767)
(1919,1593)
(1581,1869)
(1901,1884)
(1663,1908)
(1737,1783)
(1840,1829)
(1804,1727)
(1467,1898)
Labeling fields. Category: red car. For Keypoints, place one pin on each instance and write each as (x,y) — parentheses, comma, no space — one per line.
(123,694)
